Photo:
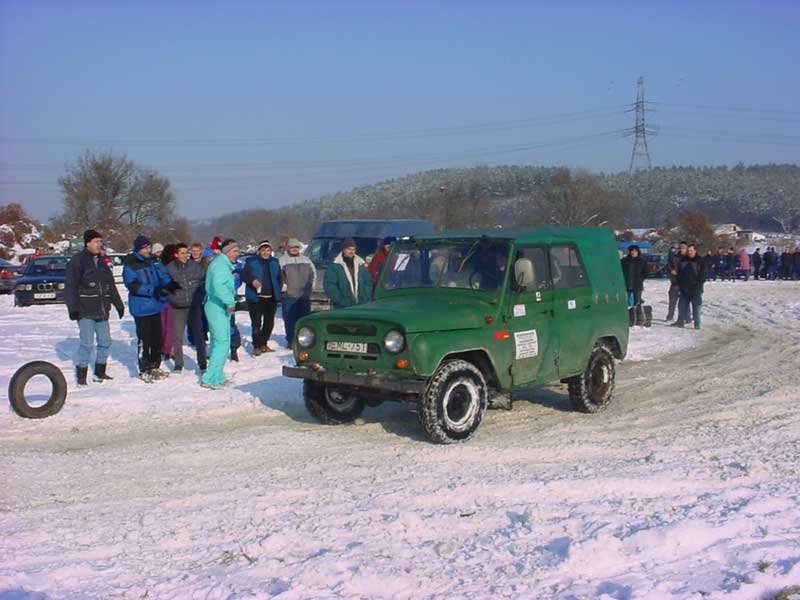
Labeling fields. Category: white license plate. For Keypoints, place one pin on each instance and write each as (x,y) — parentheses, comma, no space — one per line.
(355,347)
(45,296)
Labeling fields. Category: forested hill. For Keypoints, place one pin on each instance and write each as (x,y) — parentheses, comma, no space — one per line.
(760,196)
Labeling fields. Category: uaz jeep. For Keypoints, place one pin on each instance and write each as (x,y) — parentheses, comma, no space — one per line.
(462,319)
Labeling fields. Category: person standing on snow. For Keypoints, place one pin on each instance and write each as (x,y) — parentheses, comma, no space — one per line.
(262,276)
(756,260)
(299,275)
(89,292)
(691,277)
(634,270)
(187,305)
(380,257)
(731,263)
(167,335)
(220,305)
(673,266)
(744,263)
(148,285)
(347,280)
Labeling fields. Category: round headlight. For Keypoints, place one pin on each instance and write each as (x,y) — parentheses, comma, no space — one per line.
(61,286)
(394,341)
(305,337)
(28,287)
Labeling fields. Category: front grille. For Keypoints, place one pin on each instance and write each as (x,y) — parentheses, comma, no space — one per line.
(355,329)
(45,287)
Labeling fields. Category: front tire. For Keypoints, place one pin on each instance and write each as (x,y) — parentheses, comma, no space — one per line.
(592,390)
(331,405)
(453,406)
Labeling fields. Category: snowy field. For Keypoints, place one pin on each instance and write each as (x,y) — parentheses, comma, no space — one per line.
(688,486)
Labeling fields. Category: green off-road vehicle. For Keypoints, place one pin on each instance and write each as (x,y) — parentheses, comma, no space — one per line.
(462,319)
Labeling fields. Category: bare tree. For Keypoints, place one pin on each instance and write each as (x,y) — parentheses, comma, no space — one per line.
(579,200)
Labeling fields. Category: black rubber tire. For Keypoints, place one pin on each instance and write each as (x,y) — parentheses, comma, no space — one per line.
(437,421)
(592,390)
(317,401)
(16,390)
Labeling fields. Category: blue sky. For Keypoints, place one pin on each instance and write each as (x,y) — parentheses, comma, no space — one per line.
(263,104)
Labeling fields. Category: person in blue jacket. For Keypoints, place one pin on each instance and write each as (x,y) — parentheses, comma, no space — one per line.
(148,285)
(262,274)
(220,305)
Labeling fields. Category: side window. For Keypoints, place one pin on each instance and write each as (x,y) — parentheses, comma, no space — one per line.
(530,265)
(566,268)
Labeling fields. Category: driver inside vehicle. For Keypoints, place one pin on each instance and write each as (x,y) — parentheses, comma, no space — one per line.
(490,266)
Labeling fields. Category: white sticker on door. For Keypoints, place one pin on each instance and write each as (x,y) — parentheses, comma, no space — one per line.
(571,304)
(538,296)
(519,310)
(526,344)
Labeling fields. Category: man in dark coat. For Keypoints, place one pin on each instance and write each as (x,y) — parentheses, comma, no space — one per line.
(262,274)
(90,292)
(756,260)
(730,263)
(691,277)
(187,305)
(634,270)
(673,265)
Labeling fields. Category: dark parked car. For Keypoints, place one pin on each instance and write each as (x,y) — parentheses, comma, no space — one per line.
(8,276)
(656,265)
(42,282)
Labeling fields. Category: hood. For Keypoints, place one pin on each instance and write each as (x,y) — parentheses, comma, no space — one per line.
(42,278)
(419,314)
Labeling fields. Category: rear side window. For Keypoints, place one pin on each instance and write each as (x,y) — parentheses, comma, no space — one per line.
(566,268)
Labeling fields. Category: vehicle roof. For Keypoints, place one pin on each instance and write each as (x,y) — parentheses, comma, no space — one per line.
(529,234)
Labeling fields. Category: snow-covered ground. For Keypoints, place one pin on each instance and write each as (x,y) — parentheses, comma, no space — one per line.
(688,486)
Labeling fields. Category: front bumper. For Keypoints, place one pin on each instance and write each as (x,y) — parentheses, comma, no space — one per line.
(361,380)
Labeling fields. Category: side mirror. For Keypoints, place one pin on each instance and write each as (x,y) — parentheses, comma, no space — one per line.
(523,273)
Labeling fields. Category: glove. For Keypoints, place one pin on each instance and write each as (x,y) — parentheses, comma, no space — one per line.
(74,315)
(173,285)
(121,311)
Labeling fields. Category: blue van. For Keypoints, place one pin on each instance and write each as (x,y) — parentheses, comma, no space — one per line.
(367,233)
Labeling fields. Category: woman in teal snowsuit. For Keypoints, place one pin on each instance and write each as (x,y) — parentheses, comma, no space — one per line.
(220,304)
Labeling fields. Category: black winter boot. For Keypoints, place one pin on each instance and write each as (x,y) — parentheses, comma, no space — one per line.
(234,355)
(100,373)
(80,373)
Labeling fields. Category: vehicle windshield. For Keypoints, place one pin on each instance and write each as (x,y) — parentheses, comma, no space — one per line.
(48,264)
(474,265)
(323,250)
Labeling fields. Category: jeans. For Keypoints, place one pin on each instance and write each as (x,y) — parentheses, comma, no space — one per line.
(262,319)
(695,300)
(294,309)
(89,328)
(674,291)
(191,317)
(148,330)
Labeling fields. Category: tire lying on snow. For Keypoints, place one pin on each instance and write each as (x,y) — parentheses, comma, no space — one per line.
(592,390)
(331,405)
(16,390)
(453,406)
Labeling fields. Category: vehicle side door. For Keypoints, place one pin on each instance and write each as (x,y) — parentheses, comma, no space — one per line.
(572,308)
(529,316)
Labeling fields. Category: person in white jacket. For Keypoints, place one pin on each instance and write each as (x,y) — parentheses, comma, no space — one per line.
(299,276)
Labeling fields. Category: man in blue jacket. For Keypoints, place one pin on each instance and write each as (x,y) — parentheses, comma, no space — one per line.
(262,274)
(148,285)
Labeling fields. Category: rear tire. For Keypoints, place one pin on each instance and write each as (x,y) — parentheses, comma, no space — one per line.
(16,390)
(331,405)
(592,390)
(453,406)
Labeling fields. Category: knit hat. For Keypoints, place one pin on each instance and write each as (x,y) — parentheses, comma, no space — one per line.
(140,242)
(216,243)
(294,243)
(347,242)
(389,239)
(158,248)
(229,245)
(89,235)
(633,247)
(263,243)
